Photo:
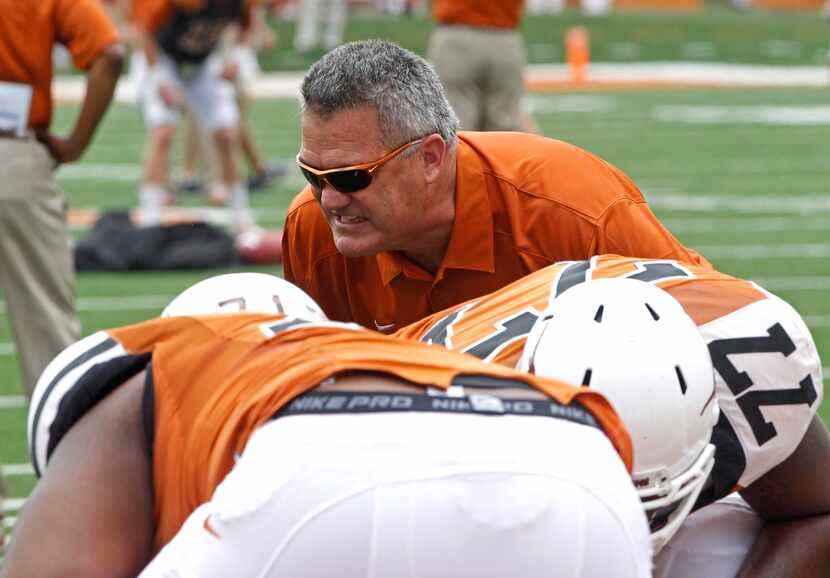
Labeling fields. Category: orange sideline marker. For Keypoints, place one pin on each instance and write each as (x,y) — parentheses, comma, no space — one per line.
(578,52)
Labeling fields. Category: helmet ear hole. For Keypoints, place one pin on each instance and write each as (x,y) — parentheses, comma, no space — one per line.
(598,315)
(586,379)
(654,314)
(681,379)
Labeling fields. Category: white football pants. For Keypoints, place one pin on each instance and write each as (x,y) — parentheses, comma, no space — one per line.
(426,495)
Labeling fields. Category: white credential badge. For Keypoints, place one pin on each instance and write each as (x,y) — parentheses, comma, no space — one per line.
(15,102)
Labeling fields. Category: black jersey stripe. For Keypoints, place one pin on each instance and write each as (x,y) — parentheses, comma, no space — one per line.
(82,358)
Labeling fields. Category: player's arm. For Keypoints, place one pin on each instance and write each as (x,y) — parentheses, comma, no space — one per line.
(794,498)
(91,514)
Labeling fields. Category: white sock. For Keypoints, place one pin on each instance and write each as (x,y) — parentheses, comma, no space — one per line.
(150,199)
(240,214)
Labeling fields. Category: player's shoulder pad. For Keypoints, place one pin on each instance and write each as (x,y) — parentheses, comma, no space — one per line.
(78,378)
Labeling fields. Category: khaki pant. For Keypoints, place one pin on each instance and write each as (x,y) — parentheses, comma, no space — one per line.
(481,70)
(37,277)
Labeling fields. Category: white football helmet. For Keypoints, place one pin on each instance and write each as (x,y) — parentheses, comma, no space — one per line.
(239,292)
(634,342)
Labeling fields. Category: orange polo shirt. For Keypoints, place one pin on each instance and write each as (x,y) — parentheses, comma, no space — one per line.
(492,14)
(523,202)
(28,28)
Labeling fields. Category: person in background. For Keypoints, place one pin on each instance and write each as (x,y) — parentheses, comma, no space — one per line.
(478,53)
(37,277)
(188,64)
(197,147)
(311,15)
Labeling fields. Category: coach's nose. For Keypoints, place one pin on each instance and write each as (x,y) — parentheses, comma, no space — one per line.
(331,199)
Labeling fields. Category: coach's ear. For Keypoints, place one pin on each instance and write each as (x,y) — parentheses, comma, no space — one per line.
(91,514)
(434,152)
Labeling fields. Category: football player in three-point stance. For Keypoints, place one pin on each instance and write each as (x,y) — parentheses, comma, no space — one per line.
(279,444)
(769,443)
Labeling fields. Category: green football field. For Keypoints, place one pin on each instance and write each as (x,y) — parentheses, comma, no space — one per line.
(743,176)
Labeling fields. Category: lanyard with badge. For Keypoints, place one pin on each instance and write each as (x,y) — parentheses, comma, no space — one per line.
(15,102)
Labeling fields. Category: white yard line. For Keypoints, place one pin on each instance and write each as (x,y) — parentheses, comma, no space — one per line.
(794,283)
(714,225)
(806,115)
(764,251)
(13,401)
(13,504)
(8,470)
(134,303)
(792,205)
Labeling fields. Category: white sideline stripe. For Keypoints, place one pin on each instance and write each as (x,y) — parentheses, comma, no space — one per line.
(287,84)
(17,470)
(749,252)
(711,224)
(13,504)
(13,401)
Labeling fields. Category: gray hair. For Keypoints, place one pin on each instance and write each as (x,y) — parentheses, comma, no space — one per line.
(399,84)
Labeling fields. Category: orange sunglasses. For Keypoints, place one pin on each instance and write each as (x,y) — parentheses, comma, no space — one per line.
(352,178)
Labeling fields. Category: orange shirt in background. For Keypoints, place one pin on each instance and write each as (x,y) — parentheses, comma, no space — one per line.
(523,202)
(487,14)
(150,15)
(28,28)
(217,378)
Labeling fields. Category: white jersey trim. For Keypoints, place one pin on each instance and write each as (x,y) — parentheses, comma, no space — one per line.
(60,378)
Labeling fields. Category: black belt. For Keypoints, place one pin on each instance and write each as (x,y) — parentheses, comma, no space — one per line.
(330,402)
(13,134)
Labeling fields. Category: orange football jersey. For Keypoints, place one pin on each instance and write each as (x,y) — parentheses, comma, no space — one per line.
(216,379)
(768,375)
(493,327)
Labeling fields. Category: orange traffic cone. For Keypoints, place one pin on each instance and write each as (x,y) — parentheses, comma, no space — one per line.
(578,52)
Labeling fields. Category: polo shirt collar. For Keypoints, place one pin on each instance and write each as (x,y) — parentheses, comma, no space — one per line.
(471,240)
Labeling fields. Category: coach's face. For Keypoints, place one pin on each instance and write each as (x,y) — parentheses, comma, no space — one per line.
(386,215)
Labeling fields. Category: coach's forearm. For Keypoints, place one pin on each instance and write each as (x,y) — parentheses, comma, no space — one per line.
(793,549)
(100,87)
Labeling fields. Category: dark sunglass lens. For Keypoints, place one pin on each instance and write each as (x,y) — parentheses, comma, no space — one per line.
(350,181)
(312,179)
